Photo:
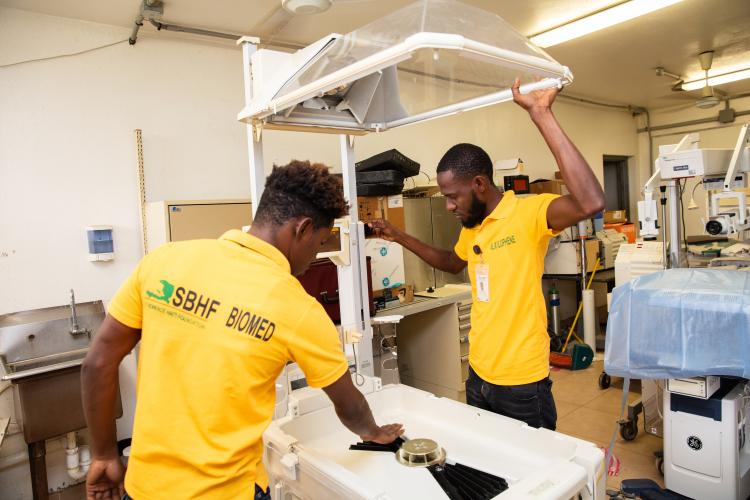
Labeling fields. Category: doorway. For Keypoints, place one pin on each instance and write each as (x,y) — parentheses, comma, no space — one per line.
(616,187)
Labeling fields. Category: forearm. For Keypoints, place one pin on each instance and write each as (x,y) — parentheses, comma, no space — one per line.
(580,180)
(99,392)
(358,418)
(436,257)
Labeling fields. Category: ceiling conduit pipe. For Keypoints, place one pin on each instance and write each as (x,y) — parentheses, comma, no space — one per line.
(136,26)
(195,31)
(150,6)
(688,123)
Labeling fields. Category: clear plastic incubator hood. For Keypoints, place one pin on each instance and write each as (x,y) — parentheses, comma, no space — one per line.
(430,59)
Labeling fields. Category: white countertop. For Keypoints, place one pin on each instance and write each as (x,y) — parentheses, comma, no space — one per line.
(449,294)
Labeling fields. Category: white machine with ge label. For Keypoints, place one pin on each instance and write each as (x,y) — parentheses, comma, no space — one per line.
(706,454)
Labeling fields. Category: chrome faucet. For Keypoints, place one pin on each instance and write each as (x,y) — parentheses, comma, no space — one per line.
(75,329)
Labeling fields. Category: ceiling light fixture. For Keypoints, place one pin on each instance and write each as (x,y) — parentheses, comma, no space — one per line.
(717,80)
(306,7)
(620,13)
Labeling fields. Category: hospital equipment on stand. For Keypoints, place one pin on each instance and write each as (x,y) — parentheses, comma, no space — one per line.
(686,160)
(352,85)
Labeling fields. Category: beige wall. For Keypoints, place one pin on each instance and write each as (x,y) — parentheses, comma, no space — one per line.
(67,158)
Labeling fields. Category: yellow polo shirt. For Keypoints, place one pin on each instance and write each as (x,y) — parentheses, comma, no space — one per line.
(219,321)
(508,342)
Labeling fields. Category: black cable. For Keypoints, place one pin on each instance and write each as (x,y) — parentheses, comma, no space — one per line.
(357,376)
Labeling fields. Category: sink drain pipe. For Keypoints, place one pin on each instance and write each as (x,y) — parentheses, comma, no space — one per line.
(77,458)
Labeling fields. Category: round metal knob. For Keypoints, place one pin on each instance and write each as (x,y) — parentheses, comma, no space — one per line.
(420,453)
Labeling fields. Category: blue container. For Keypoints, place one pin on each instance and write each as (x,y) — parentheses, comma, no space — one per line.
(599,222)
(100,240)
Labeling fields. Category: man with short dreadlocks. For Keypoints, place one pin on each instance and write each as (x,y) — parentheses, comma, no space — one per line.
(217,321)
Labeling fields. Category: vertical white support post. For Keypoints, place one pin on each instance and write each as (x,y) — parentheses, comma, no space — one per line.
(254,143)
(676,254)
(353,291)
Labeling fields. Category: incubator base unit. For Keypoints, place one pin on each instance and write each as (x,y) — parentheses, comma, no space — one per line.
(448,449)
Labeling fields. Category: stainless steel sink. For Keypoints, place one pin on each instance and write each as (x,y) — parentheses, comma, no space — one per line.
(41,352)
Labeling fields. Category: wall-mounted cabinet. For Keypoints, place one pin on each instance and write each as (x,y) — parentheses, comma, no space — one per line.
(188,220)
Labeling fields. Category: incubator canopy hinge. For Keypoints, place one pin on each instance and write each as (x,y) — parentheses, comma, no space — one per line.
(257,131)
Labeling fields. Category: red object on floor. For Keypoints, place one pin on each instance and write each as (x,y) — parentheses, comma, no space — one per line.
(614,463)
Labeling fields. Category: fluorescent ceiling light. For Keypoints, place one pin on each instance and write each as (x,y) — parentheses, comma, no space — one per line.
(603,19)
(717,80)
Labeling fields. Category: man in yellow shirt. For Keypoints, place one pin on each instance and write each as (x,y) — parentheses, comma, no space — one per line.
(217,321)
(504,241)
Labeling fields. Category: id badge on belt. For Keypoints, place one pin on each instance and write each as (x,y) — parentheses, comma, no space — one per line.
(482,282)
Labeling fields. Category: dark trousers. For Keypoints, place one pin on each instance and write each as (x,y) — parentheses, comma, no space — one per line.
(259,494)
(530,403)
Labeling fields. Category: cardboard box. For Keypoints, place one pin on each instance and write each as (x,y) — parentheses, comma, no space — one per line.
(565,257)
(406,294)
(387,260)
(390,208)
(615,216)
(626,229)
(555,187)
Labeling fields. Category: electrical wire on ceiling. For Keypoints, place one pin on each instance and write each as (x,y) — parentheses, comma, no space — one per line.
(626,107)
(58,56)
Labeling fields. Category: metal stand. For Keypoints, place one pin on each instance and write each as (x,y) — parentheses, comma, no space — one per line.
(38,467)
(353,295)
(355,305)
(676,254)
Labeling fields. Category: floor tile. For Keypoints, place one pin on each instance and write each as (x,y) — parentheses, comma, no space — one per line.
(575,390)
(590,413)
(558,373)
(76,492)
(644,444)
(564,408)
(588,424)
(634,466)
(610,401)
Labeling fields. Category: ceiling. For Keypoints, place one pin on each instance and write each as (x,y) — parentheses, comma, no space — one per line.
(614,65)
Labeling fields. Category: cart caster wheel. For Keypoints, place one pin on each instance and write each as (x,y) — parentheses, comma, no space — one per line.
(629,429)
(604,381)
(659,462)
